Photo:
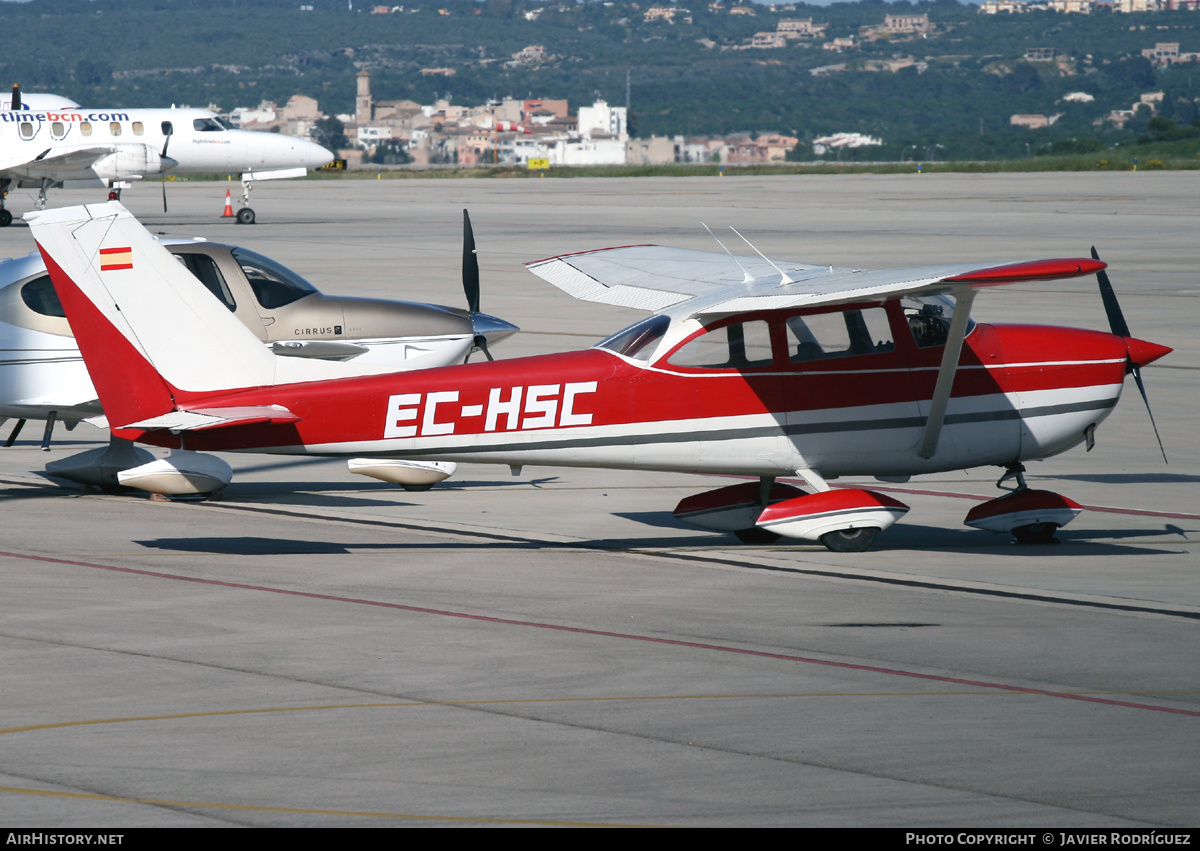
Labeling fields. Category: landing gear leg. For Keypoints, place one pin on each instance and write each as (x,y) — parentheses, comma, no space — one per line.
(12,438)
(1013,471)
(41,198)
(49,432)
(756,534)
(245,216)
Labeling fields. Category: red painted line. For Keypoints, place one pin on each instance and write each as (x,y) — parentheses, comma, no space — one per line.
(894,672)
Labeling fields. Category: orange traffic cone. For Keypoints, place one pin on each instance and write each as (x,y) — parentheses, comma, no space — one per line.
(228,214)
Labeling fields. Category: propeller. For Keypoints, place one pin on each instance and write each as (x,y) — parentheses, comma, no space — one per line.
(167,129)
(1118,325)
(470,278)
(16,97)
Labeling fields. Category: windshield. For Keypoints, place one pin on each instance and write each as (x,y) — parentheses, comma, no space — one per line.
(639,337)
(210,125)
(40,297)
(274,285)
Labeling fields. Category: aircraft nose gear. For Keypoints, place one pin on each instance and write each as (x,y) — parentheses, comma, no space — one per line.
(1030,516)
(5,215)
(245,216)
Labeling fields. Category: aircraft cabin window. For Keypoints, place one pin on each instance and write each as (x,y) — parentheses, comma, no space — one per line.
(114,127)
(58,129)
(85,128)
(929,319)
(40,297)
(744,345)
(835,335)
(640,337)
(273,285)
(168,128)
(138,128)
(205,269)
(26,129)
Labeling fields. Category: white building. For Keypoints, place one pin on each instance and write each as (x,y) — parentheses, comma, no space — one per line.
(600,119)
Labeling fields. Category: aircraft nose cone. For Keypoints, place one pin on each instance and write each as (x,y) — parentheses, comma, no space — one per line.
(313,155)
(1142,352)
(492,327)
(284,151)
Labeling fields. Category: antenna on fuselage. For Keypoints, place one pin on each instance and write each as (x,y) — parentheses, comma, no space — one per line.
(784,277)
(747,278)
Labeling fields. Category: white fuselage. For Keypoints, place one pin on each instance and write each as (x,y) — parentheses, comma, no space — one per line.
(122,144)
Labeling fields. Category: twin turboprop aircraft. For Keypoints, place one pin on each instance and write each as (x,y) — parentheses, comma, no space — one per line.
(46,147)
(748,368)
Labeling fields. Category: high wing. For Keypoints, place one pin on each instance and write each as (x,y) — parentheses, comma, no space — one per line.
(709,283)
(701,284)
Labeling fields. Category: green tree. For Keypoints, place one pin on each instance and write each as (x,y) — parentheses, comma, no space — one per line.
(331,133)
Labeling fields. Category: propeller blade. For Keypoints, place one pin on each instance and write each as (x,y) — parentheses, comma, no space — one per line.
(164,186)
(1137,376)
(16,97)
(1118,325)
(1116,319)
(470,268)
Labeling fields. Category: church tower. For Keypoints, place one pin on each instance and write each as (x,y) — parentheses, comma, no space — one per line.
(363,108)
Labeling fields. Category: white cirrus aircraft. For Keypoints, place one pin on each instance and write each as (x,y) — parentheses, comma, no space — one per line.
(43,377)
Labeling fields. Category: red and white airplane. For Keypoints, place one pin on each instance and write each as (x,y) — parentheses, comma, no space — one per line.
(748,367)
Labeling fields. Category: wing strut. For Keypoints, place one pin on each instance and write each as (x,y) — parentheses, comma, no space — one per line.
(963,296)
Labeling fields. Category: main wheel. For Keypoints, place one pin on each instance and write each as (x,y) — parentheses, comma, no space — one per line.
(245,216)
(5,218)
(1035,533)
(850,540)
(417,487)
(757,535)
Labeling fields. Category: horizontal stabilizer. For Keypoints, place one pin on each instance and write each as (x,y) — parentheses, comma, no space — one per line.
(198,419)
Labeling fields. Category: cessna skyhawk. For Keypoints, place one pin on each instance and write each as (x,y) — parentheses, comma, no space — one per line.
(747,367)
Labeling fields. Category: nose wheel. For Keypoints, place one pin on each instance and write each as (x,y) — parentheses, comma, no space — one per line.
(245,216)
(1030,516)
(1035,533)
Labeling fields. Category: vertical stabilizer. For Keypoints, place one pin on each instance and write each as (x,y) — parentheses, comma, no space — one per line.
(146,327)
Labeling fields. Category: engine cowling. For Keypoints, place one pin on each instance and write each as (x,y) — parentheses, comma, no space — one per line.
(131,161)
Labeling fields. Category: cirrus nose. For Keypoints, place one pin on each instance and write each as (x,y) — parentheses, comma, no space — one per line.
(1142,352)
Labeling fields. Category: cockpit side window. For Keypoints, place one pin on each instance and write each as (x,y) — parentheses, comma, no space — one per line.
(274,285)
(929,319)
(639,337)
(742,345)
(209,125)
(40,297)
(834,335)
(205,269)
